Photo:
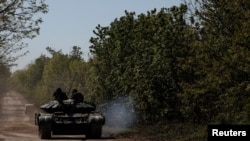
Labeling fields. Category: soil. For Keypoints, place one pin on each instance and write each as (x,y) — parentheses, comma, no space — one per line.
(18,124)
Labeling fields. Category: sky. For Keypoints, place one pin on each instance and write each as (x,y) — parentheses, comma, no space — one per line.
(71,23)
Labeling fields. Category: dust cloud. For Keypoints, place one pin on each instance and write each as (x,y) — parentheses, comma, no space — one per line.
(119,114)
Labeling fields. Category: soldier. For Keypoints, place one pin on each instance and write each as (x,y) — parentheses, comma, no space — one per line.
(77,96)
(59,95)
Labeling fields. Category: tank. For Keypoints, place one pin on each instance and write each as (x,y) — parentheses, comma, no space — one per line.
(69,118)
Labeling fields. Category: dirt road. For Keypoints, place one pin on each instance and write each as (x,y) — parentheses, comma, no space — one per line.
(15,125)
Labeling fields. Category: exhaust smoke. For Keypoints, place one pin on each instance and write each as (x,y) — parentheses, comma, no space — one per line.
(119,115)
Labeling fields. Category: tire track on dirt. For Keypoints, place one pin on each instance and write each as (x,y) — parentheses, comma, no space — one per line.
(16,125)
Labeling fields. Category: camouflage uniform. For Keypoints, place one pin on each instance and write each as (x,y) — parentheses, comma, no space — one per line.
(76,96)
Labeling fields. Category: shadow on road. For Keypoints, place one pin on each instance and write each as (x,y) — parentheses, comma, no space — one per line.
(82,138)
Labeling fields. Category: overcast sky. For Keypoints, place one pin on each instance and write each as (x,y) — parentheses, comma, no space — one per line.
(71,23)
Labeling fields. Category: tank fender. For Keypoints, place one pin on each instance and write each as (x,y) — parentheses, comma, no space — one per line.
(37,115)
(96,118)
(45,119)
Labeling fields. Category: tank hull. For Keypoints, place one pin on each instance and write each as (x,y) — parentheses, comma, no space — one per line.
(69,120)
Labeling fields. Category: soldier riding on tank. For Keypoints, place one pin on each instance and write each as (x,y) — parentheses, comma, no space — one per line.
(59,95)
(74,116)
(77,96)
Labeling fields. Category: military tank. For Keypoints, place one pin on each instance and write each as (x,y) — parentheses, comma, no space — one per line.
(69,118)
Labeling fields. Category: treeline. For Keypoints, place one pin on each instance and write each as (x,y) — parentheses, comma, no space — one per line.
(17,22)
(42,77)
(181,64)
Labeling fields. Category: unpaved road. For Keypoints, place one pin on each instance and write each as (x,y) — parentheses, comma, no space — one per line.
(15,125)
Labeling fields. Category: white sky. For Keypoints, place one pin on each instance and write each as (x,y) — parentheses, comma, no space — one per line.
(71,23)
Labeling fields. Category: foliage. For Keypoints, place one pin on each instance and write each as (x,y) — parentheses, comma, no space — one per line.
(4,78)
(137,57)
(181,64)
(46,74)
(18,21)
(221,74)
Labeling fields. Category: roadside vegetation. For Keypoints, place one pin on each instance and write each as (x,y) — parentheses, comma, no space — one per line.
(181,68)
(18,21)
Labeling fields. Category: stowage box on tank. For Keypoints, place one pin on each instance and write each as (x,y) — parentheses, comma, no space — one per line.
(68,118)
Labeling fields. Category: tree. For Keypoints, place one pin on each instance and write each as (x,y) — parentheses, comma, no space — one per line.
(56,72)
(221,74)
(76,53)
(45,74)
(137,57)
(18,20)
(35,72)
(4,77)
